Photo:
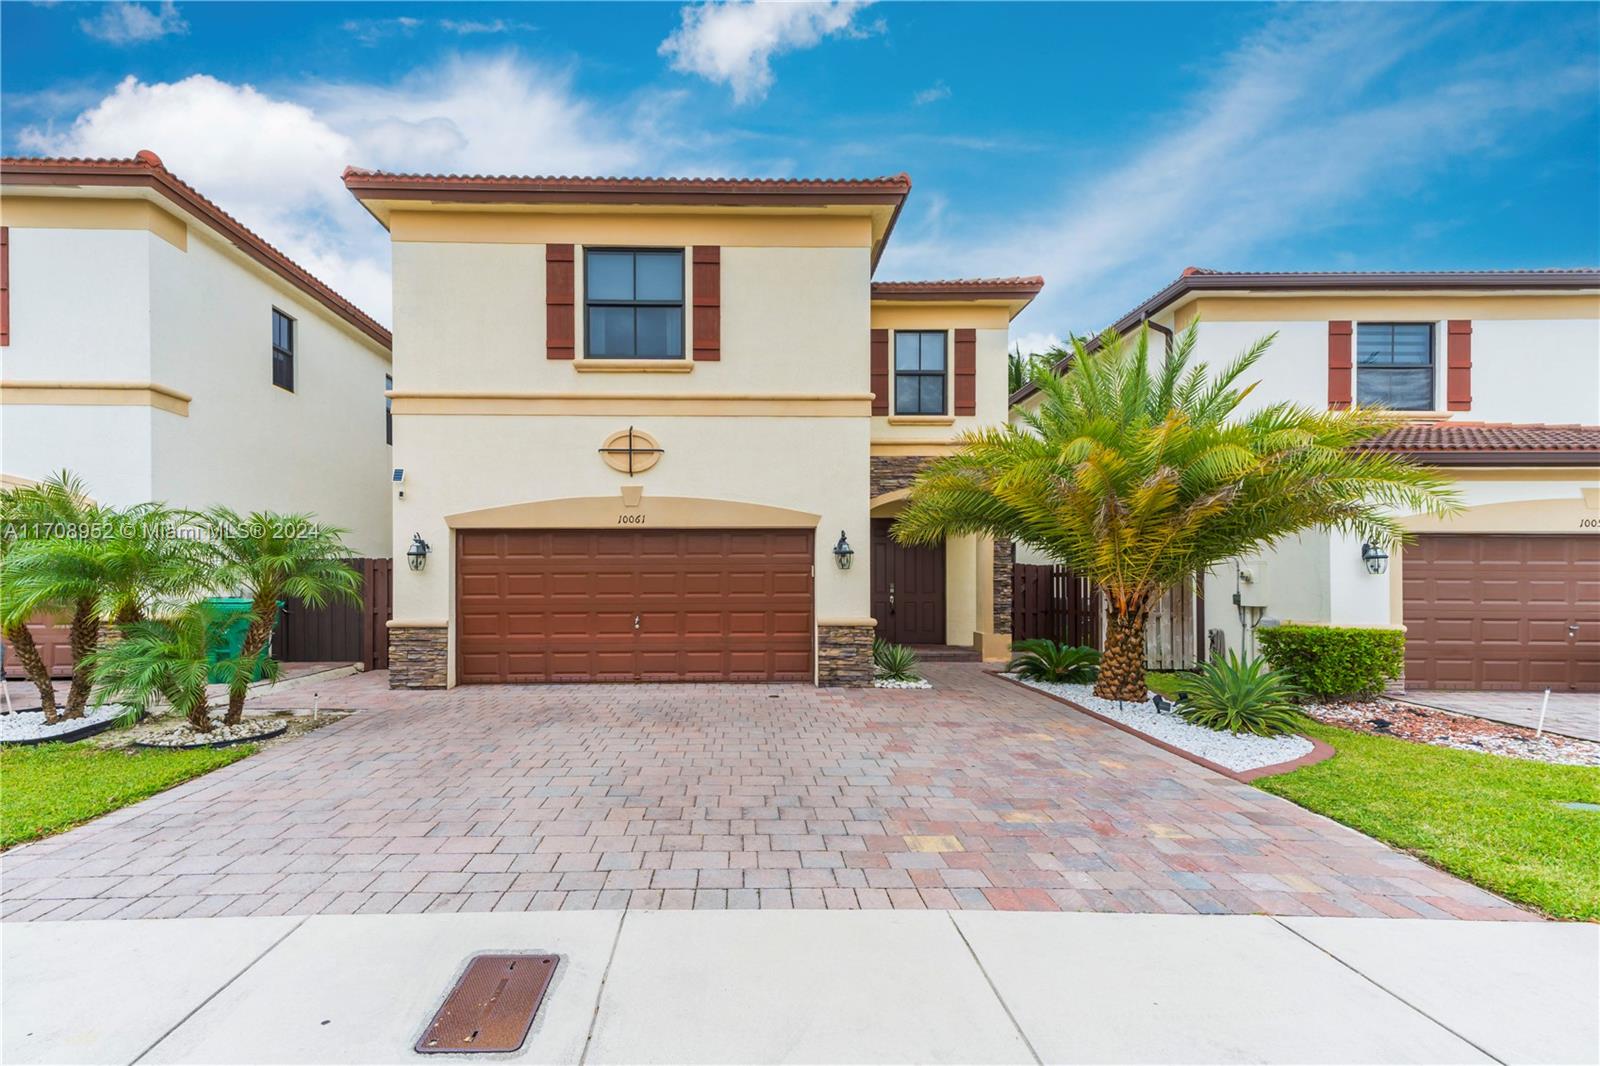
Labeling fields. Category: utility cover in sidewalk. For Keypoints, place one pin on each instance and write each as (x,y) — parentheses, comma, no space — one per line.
(493,1005)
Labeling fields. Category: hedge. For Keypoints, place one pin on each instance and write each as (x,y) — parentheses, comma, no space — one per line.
(1335,662)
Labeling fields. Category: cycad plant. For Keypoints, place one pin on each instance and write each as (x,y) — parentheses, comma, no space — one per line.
(894,662)
(1241,697)
(1045,660)
(1139,472)
(168,660)
(269,556)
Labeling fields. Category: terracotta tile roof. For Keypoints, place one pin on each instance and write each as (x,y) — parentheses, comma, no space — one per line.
(1019,290)
(1199,279)
(145,170)
(1447,443)
(357,177)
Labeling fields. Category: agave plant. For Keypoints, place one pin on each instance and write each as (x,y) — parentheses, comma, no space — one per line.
(894,662)
(1045,660)
(1241,696)
(169,659)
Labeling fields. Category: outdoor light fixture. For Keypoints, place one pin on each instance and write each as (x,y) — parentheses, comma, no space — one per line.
(1376,558)
(843,553)
(417,554)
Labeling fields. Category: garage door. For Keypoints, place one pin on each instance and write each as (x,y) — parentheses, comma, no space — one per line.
(1503,612)
(634,605)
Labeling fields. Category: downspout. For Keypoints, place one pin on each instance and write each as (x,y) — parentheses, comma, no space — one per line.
(1159,328)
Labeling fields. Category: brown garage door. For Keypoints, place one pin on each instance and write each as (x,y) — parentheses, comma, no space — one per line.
(634,605)
(1503,612)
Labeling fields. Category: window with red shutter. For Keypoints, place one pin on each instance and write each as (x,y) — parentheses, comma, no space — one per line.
(560,337)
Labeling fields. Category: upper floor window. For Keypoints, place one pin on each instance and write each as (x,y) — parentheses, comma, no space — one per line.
(633,303)
(919,373)
(1394,365)
(388,409)
(282,350)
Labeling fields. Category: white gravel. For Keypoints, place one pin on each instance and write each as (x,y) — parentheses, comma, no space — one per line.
(181,734)
(29,725)
(1236,751)
(884,682)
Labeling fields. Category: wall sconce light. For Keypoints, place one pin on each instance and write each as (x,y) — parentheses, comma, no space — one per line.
(843,553)
(1376,558)
(417,554)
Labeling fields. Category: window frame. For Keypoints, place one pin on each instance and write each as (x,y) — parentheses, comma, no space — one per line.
(896,373)
(681,303)
(388,409)
(1430,369)
(284,356)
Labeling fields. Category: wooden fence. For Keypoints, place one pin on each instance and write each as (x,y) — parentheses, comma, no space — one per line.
(1053,602)
(341,632)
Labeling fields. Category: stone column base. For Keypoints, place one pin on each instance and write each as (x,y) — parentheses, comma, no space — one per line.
(419,656)
(844,653)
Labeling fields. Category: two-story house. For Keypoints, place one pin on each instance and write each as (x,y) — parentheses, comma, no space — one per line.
(1497,374)
(646,427)
(160,350)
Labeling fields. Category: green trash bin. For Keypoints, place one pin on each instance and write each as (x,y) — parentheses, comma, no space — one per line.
(234,621)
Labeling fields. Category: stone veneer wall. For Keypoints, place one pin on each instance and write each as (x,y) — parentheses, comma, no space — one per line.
(1005,556)
(418,656)
(844,656)
(890,473)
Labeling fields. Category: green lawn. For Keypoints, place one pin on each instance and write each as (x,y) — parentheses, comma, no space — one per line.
(52,787)
(1492,820)
(1169,685)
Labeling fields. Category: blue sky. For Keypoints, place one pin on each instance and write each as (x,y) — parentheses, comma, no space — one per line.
(1105,146)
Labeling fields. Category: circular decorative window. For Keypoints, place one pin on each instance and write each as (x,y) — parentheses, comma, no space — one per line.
(631,451)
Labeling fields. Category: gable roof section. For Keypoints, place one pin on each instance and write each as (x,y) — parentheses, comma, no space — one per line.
(883,196)
(1017,293)
(146,171)
(1201,279)
(1492,444)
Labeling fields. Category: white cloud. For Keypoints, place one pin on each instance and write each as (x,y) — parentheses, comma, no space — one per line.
(468,27)
(732,42)
(372,31)
(1034,342)
(1284,140)
(932,94)
(128,23)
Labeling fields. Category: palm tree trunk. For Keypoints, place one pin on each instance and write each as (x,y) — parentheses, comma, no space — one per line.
(20,639)
(255,642)
(198,713)
(85,636)
(1122,665)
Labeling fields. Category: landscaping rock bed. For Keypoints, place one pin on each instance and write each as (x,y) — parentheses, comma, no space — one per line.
(1236,751)
(1448,730)
(884,682)
(274,727)
(28,727)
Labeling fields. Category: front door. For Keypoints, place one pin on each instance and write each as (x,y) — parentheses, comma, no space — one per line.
(907,589)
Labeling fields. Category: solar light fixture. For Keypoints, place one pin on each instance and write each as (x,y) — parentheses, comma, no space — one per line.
(1376,558)
(843,554)
(417,554)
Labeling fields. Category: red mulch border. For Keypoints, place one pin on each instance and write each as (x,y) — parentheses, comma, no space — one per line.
(1319,752)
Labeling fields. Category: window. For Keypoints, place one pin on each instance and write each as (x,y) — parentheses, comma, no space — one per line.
(1394,365)
(633,302)
(919,373)
(388,409)
(282,350)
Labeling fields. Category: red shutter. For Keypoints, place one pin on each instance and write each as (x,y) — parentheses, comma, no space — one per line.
(5,285)
(707,303)
(966,371)
(1458,367)
(1341,385)
(880,371)
(559,336)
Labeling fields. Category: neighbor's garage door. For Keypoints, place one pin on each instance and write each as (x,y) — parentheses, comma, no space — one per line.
(1498,611)
(625,605)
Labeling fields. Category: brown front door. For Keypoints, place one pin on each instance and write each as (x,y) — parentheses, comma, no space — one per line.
(1502,611)
(907,589)
(634,605)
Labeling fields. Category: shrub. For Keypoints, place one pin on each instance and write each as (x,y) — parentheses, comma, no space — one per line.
(1335,662)
(1045,660)
(894,662)
(1241,697)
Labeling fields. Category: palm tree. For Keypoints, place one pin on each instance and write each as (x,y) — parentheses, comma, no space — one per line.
(18,520)
(268,557)
(1139,477)
(166,659)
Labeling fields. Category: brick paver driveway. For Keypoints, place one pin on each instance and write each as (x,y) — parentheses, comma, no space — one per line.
(976,795)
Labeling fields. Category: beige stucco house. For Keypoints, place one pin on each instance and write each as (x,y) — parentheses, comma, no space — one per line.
(160,350)
(640,420)
(1498,376)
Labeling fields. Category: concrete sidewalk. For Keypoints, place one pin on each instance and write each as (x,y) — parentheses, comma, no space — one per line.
(814,986)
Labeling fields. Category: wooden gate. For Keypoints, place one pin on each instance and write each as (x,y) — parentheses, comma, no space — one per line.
(1055,603)
(341,632)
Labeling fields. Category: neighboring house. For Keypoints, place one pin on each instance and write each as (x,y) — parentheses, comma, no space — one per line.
(160,350)
(1498,376)
(637,416)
